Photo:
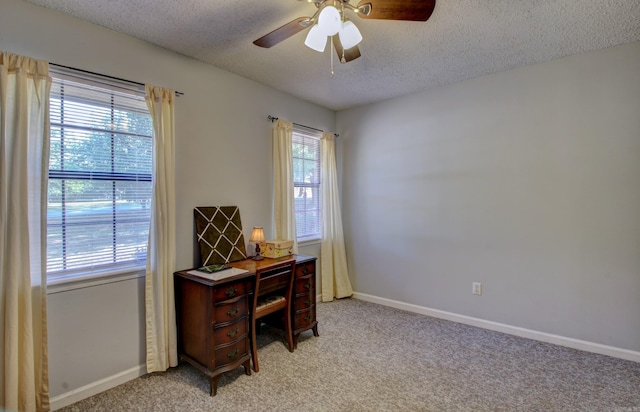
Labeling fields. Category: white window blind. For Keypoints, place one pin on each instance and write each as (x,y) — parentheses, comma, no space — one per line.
(306,183)
(100,172)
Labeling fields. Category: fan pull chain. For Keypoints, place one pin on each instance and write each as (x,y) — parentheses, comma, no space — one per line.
(331,53)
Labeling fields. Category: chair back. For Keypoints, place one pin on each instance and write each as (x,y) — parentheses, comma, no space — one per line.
(271,285)
(272,293)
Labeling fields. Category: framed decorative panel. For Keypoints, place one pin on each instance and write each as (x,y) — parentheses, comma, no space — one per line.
(219,231)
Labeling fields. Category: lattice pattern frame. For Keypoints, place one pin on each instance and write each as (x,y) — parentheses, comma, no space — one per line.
(219,232)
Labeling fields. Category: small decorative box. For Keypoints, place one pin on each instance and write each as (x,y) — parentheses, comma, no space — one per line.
(276,248)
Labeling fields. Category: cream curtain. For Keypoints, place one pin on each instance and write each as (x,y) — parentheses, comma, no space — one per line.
(161,338)
(24,160)
(284,206)
(333,259)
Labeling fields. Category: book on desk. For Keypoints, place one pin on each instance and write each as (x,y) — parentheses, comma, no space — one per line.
(218,274)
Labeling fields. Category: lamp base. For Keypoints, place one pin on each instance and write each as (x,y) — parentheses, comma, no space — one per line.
(257,256)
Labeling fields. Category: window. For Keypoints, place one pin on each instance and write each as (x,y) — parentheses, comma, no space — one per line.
(306,183)
(100,171)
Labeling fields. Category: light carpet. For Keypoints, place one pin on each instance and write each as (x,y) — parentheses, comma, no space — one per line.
(375,358)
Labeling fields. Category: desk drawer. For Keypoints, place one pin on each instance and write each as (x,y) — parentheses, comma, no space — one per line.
(232,290)
(304,285)
(305,269)
(303,302)
(231,310)
(230,333)
(304,318)
(228,354)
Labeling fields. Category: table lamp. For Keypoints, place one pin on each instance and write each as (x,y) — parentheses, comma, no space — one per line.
(257,236)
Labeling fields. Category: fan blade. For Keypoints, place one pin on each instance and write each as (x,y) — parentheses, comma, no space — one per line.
(283,33)
(349,54)
(413,10)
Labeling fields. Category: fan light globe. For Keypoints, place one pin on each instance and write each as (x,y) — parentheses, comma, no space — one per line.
(349,35)
(329,20)
(316,39)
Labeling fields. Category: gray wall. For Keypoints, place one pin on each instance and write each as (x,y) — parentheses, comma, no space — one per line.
(223,157)
(527,181)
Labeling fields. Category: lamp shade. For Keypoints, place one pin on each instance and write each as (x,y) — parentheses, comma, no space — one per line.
(257,235)
(329,20)
(349,35)
(316,39)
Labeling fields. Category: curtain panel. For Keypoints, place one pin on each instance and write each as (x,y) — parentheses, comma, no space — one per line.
(333,259)
(284,206)
(24,168)
(161,338)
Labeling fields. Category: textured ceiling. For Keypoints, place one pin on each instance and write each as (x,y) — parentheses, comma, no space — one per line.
(463,39)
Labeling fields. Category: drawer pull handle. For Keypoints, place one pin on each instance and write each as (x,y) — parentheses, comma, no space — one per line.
(233,354)
(233,312)
(307,318)
(233,332)
(307,286)
(305,270)
(231,291)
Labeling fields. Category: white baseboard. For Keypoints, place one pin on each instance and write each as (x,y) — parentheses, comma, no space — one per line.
(501,327)
(94,388)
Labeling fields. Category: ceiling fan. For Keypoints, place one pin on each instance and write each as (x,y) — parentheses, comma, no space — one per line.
(330,20)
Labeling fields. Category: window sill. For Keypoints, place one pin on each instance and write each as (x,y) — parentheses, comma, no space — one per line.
(64,284)
(309,242)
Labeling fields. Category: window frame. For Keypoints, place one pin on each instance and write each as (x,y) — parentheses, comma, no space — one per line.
(118,270)
(300,136)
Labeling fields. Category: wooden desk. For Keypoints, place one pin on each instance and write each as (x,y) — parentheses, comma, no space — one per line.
(213,323)
(213,316)
(304,290)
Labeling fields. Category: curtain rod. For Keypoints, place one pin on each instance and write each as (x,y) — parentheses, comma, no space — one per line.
(273,119)
(108,77)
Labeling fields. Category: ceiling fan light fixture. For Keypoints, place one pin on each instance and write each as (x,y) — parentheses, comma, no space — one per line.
(329,20)
(349,35)
(316,39)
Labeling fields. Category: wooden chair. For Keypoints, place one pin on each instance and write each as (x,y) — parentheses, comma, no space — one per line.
(272,293)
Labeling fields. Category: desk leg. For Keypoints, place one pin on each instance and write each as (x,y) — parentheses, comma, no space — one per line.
(247,367)
(214,385)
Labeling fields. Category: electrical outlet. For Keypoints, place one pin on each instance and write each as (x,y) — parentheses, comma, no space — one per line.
(477,288)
